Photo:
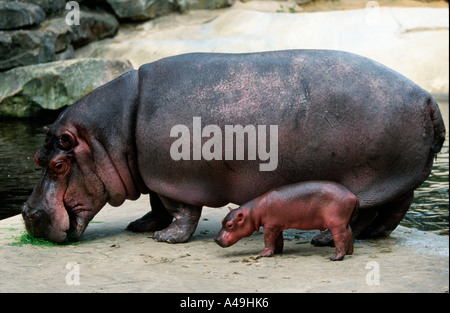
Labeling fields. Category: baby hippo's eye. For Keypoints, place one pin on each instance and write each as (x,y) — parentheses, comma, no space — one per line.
(229,225)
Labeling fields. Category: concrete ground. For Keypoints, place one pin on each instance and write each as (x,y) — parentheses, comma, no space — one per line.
(112,259)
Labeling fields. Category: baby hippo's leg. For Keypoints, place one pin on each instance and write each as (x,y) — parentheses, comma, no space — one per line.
(343,240)
(273,242)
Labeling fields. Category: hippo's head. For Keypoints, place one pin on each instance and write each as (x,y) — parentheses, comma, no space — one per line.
(69,193)
(236,225)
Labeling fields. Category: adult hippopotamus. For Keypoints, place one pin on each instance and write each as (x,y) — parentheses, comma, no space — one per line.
(335,116)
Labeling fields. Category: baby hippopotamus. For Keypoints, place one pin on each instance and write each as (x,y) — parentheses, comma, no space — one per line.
(304,206)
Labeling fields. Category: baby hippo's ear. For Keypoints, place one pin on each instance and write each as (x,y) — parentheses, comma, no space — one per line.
(239,217)
(230,208)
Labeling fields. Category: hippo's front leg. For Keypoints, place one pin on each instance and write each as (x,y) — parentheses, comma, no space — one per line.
(158,218)
(273,242)
(186,220)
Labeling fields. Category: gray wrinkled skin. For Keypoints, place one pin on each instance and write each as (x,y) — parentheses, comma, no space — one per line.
(340,117)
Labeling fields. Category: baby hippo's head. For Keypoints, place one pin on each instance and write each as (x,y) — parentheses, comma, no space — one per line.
(236,225)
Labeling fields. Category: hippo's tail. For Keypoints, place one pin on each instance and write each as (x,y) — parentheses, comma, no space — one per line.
(438,126)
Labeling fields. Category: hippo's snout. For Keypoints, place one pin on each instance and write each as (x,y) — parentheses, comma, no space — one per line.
(27,213)
(218,241)
(38,223)
(33,219)
(222,239)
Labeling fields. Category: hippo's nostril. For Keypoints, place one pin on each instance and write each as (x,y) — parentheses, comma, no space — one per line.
(30,214)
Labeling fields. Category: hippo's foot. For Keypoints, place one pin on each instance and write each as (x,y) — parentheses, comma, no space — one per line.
(158,218)
(325,238)
(177,232)
(266,252)
(388,217)
(182,229)
(338,257)
(343,239)
(273,241)
(150,222)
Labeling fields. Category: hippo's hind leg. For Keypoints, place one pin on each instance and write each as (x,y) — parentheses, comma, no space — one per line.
(158,218)
(358,224)
(186,220)
(373,222)
(343,241)
(388,218)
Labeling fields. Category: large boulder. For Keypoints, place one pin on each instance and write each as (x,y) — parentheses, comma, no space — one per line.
(51,7)
(26,90)
(15,15)
(54,40)
(93,26)
(61,33)
(25,47)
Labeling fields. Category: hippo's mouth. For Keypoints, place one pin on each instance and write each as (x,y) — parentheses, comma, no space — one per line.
(78,224)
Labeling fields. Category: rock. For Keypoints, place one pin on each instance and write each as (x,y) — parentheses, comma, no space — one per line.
(26,90)
(25,47)
(185,5)
(50,7)
(15,15)
(148,9)
(62,33)
(93,26)
(67,54)
(141,10)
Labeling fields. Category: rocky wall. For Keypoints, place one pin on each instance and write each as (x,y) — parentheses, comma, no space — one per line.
(46,32)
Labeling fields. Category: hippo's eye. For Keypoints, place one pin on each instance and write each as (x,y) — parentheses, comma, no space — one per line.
(229,225)
(59,167)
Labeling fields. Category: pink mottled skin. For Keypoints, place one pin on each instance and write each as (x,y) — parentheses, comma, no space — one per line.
(305,206)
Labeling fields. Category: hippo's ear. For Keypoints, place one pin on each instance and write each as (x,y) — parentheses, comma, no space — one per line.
(230,208)
(40,159)
(67,141)
(239,217)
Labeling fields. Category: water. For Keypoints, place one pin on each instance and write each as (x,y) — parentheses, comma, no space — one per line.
(19,141)
(430,208)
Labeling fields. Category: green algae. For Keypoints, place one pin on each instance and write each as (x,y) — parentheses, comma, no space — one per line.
(29,239)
